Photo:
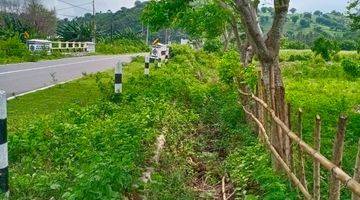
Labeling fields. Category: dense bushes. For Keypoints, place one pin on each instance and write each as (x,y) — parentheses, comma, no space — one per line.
(351,67)
(292,44)
(325,48)
(13,50)
(121,46)
(100,150)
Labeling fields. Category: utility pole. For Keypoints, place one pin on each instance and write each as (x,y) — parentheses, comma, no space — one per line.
(94,23)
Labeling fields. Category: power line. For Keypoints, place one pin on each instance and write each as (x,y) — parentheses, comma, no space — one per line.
(74,5)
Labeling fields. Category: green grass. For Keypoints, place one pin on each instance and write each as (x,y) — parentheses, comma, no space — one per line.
(22,110)
(326,90)
(80,141)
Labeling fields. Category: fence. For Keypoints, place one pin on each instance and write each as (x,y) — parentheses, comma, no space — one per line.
(284,155)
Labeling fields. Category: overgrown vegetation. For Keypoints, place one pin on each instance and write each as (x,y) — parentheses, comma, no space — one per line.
(13,50)
(328,89)
(101,149)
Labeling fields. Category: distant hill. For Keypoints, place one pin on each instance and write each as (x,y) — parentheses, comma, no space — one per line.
(304,27)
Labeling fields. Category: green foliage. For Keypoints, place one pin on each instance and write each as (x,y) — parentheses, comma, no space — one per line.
(229,67)
(326,48)
(198,19)
(212,45)
(100,150)
(74,31)
(292,44)
(13,47)
(353,13)
(250,169)
(12,27)
(325,89)
(120,46)
(351,67)
(349,45)
(13,50)
(304,23)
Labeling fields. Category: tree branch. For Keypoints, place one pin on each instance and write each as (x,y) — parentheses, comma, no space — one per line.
(249,18)
(274,34)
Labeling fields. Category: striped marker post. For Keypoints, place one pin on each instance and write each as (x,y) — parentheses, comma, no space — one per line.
(4,169)
(147,66)
(118,78)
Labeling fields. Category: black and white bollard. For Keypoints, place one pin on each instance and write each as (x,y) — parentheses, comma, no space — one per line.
(147,66)
(118,78)
(4,169)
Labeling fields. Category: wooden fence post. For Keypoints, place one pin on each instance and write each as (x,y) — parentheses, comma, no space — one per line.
(316,170)
(259,107)
(337,158)
(288,112)
(4,165)
(301,152)
(357,172)
(118,78)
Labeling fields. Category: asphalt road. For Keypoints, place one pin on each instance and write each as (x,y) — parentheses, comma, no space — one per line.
(20,78)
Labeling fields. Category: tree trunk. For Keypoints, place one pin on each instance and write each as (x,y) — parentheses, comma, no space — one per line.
(275,96)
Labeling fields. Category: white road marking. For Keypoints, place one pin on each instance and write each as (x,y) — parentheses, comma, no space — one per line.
(52,66)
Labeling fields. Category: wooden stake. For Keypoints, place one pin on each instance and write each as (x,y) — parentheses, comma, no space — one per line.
(301,151)
(223,187)
(291,175)
(259,107)
(357,173)
(316,170)
(337,158)
(348,181)
(290,142)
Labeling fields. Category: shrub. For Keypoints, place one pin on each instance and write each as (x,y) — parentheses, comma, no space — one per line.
(229,67)
(348,45)
(13,47)
(120,46)
(351,67)
(212,45)
(292,44)
(326,48)
(304,23)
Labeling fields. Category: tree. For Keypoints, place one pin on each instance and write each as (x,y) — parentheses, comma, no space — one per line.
(42,20)
(304,23)
(317,12)
(353,12)
(307,15)
(294,18)
(293,10)
(325,48)
(163,13)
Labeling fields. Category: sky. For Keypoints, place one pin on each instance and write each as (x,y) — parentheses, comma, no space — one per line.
(114,5)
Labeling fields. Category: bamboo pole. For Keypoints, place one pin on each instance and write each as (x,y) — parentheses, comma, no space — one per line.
(357,173)
(338,150)
(291,175)
(349,182)
(259,107)
(301,151)
(290,142)
(316,170)
(287,143)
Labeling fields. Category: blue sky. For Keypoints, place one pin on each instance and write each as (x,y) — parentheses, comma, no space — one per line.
(114,5)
